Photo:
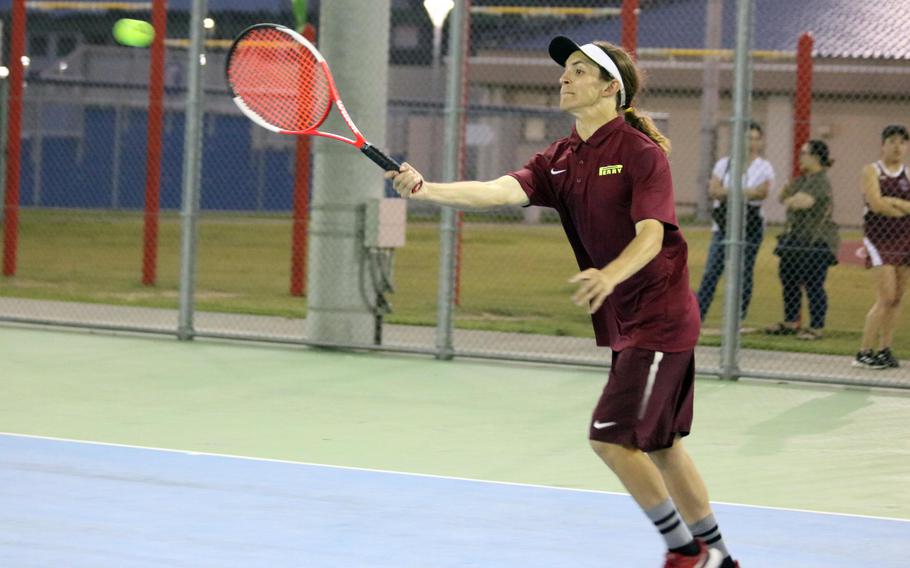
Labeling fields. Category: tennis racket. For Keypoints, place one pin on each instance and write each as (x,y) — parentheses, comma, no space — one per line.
(281,82)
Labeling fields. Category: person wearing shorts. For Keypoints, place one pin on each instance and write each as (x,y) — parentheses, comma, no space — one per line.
(610,182)
(886,231)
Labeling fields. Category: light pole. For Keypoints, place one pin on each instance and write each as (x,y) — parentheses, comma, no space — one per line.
(438,10)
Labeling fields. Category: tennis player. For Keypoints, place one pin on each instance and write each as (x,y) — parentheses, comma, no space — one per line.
(610,182)
(886,229)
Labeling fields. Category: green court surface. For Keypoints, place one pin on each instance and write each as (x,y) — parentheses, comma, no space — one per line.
(758,443)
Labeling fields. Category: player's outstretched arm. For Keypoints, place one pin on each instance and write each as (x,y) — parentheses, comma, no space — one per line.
(409,183)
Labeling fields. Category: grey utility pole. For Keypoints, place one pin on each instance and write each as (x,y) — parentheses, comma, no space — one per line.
(354,38)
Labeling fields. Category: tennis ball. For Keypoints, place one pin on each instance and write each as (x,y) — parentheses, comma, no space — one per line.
(134,33)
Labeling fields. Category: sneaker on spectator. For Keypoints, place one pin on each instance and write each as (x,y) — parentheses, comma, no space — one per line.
(868,360)
(887,359)
(706,558)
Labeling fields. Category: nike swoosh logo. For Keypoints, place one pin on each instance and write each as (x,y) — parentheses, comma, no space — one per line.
(602,425)
(556,172)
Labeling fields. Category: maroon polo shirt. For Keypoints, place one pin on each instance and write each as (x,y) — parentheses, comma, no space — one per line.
(601,188)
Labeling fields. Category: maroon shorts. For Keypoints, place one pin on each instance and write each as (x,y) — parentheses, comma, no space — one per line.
(882,252)
(647,401)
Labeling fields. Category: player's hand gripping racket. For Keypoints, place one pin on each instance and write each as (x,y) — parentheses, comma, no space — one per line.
(282,82)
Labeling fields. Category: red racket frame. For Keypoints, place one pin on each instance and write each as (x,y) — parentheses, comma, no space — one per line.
(359,141)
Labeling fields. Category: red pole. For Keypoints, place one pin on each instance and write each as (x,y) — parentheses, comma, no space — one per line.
(14,140)
(301,203)
(629,17)
(462,144)
(153,152)
(802,99)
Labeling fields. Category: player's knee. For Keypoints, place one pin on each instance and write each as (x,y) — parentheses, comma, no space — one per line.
(669,458)
(887,300)
(609,453)
(661,458)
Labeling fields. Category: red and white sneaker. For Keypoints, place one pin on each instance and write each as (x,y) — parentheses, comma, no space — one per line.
(706,558)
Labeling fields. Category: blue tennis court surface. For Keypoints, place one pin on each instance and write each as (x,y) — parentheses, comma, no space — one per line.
(77,504)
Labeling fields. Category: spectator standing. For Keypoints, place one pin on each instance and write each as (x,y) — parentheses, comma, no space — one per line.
(808,246)
(886,230)
(757,183)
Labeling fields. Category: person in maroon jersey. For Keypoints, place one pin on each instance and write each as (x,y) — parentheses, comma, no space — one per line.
(610,182)
(886,229)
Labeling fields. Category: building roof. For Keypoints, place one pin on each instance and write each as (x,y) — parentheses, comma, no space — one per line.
(840,28)
(214,6)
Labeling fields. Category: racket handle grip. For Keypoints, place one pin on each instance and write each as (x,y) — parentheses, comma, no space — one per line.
(379,158)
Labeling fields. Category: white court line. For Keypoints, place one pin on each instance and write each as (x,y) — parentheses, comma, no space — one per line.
(427,475)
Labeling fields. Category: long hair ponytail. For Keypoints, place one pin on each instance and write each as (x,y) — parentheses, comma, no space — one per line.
(646,124)
(631,79)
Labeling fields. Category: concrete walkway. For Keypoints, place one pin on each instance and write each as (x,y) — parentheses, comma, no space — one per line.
(472,343)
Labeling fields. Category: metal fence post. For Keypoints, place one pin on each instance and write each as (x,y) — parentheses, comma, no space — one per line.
(742,91)
(192,169)
(445,321)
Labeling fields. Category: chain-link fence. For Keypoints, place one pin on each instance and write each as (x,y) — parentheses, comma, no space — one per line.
(92,229)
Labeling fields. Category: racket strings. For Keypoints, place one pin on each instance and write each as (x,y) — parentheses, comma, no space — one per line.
(279,79)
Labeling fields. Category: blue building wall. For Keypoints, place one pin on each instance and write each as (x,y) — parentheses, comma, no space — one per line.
(79,171)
